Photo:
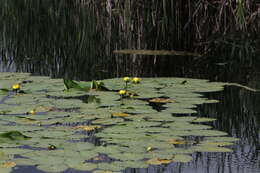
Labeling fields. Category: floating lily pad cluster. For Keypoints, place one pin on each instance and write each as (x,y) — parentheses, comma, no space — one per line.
(89,126)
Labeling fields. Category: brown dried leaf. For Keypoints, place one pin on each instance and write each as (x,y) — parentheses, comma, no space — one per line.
(7,164)
(158,161)
(120,115)
(176,141)
(161,100)
(88,128)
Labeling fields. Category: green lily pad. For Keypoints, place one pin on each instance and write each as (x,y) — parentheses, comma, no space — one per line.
(52,168)
(12,136)
(50,120)
(84,166)
(113,166)
(211,148)
(203,119)
(181,158)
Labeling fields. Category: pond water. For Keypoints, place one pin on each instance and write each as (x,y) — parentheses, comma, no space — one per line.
(78,43)
(237,114)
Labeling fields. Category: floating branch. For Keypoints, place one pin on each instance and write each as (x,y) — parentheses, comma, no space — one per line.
(243,86)
(156,52)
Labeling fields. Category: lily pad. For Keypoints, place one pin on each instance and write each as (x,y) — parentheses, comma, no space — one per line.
(7,164)
(56,128)
(12,136)
(158,161)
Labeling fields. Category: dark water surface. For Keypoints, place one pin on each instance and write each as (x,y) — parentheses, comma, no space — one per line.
(77,42)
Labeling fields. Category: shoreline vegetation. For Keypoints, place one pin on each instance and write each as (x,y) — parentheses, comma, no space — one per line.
(65,35)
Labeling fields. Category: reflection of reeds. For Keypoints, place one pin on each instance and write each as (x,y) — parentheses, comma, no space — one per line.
(60,32)
(53,35)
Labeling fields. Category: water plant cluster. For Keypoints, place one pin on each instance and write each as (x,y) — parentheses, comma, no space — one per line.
(103,126)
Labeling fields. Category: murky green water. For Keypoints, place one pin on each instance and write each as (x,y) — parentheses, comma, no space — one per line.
(72,42)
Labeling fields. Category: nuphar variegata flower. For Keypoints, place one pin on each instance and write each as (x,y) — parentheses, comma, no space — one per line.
(16,86)
(122,92)
(126,79)
(136,80)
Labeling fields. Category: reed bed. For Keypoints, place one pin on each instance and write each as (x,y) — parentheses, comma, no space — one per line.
(57,34)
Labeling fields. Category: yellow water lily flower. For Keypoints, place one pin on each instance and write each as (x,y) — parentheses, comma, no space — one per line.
(126,79)
(16,86)
(122,92)
(136,80)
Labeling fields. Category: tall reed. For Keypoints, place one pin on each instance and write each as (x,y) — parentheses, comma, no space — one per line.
(57,34)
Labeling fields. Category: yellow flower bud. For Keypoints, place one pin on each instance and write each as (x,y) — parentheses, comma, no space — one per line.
(136,80)
(52,147)
(149,149)
(126,79)
(16,86)
(33,112)
(122,92)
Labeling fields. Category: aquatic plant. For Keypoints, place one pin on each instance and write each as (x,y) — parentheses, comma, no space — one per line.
(126,79)
(122,92)
(16,86)
(136,80)
(132,134)
(166,28)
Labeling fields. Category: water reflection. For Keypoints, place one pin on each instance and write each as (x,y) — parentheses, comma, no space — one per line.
(237,114)
(57,39)
(75,39)
(7,66)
